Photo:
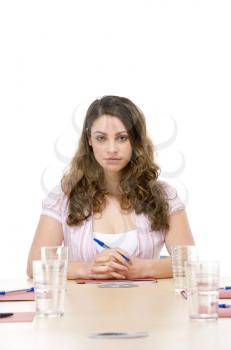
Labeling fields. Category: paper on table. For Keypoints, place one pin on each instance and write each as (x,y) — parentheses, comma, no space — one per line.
(19,296)
(19,317)
(225,293)
(95,281)
(224,312)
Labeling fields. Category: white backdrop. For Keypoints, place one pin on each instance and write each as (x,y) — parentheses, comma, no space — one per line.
(172,58)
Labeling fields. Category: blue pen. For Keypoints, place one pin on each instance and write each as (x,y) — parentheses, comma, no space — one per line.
(4,292)
(226,288)
(102,244)
(224,306)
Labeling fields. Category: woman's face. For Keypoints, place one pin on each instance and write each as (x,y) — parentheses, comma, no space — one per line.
(110,143)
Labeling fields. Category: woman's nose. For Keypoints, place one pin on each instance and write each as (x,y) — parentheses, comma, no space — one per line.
(112,147)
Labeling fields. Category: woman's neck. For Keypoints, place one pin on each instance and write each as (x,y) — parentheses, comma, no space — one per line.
(112,184)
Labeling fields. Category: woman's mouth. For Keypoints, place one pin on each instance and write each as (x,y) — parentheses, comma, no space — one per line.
(112,160)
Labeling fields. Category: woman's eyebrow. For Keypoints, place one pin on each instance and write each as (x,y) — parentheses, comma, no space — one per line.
(104,133)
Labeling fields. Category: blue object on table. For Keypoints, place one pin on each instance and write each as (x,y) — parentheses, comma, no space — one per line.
(102,244)
(224,306)
(226,288)
(4,292)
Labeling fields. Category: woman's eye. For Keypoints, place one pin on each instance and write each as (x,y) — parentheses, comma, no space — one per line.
(123,138)
(100,138)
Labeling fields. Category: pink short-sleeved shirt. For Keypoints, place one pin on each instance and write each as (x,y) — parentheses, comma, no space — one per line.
(79,238)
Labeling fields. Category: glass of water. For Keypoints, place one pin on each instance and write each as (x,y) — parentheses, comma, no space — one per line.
(54,253)
(202,289)
(49,278)
(179,255)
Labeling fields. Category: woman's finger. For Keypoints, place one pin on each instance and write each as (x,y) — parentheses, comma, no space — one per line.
(116,249)
(109,257)
(117,275)
(122,252)
(109,266)
(112,275)
(116,266)
(101,269)
(113,253)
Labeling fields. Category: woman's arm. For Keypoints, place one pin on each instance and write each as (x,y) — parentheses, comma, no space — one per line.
(108,264)
(48,233)
(179,233)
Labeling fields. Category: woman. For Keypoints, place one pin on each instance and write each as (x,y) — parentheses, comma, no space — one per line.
(111,192)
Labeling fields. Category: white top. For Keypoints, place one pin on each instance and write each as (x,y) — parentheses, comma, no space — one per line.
(127,241)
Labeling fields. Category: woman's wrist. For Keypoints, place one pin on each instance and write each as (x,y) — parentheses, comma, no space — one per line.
(141,268)
(79,269)
(160,268)
(150,268)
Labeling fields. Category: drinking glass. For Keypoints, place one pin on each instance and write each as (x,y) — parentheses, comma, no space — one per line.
(49,279)
(179,255)
(202,289)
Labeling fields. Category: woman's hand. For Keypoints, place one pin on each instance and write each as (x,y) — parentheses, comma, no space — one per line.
(139,268)
(149,268)
(110,264)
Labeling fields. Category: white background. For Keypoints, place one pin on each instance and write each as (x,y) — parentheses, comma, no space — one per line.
(172,58)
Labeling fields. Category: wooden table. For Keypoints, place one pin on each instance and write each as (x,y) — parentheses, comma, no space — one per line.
(153,308)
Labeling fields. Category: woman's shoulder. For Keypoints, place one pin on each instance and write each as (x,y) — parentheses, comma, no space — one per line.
(174,201)
(168,189)
(55,202)
(56,194)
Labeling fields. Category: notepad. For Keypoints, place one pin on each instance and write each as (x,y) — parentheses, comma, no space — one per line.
(19,296)
(19,317)
(225,293)
(226,312)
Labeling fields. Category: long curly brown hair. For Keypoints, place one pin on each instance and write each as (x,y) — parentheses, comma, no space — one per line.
(83,182)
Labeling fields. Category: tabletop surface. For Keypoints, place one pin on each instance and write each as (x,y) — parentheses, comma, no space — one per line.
(151,307)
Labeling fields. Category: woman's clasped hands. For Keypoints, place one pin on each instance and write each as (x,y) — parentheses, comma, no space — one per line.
(110,264)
